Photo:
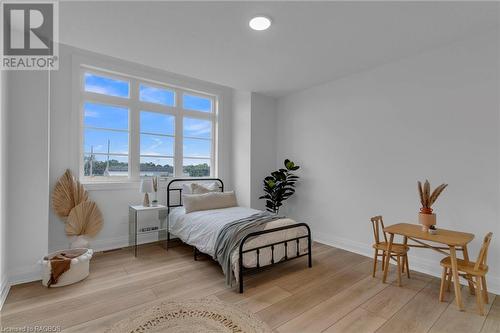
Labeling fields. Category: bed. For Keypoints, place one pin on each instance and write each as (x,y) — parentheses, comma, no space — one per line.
(278,241)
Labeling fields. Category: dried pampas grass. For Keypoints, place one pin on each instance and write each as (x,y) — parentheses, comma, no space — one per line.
(426,198)
(84,219)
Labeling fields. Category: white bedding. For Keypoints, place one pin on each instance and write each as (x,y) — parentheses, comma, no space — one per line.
(201,228)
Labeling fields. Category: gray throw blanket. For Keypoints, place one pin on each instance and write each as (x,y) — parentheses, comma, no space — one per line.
(232,234)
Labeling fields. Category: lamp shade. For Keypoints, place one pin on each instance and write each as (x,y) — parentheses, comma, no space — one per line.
(146,186)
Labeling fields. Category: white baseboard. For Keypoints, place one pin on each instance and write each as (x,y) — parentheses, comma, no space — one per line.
(25,274)
(4,290)
(108,243)
(417,263)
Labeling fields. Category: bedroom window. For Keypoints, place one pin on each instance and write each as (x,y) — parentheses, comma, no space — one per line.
(157,144)
(133,128)
(105,140)
(197,147)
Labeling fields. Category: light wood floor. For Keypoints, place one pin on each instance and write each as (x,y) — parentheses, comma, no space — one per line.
(337,295)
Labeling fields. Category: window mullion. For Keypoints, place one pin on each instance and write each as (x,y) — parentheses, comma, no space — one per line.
(178,153)
(134,127)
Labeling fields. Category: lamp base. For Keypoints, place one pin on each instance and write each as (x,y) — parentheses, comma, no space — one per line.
(145,203)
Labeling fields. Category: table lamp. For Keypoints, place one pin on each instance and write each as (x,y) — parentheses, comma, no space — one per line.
(146,187)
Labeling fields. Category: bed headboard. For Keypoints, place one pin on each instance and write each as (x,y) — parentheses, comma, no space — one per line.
(174,189)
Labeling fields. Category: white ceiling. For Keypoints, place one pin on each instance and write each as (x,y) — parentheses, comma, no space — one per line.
(309,42)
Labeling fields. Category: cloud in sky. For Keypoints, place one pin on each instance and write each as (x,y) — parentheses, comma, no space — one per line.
(156,95)
(105,85)
(197,128)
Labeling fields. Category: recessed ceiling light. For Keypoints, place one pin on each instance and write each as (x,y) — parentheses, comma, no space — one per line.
(260,23)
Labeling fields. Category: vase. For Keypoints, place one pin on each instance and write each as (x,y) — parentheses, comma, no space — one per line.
(426,220)
(79,242)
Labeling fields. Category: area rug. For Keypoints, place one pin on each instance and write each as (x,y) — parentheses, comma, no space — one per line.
(202,315)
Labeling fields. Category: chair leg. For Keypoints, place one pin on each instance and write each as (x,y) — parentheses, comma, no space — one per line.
(383,260)
(399,270)
(403,264)
(448,280)
(444,278)
(407,266)
(484,289)
(375,259)
(479,296)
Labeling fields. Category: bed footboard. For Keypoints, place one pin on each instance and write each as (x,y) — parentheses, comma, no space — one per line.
(244,270)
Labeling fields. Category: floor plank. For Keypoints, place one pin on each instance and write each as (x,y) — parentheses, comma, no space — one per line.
(330,311)
(453,319)
(357,321)
(492,322)
(337,294)
(419,314)
(386,303)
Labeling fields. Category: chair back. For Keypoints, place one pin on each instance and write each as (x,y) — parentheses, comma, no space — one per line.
(483,253)
(378,226)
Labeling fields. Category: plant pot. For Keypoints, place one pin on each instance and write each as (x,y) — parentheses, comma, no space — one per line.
(426,220)
(78,242)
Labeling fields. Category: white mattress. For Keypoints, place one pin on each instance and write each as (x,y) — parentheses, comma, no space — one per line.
(200,229)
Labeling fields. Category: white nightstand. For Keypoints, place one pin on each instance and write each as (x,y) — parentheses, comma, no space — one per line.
(133,212)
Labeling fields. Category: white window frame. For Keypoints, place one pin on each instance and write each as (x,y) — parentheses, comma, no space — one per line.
(135,106)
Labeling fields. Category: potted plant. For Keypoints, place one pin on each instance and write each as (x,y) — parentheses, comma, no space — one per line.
(279,186)
(426,217)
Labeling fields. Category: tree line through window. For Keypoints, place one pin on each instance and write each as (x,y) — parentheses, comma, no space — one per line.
(155,130)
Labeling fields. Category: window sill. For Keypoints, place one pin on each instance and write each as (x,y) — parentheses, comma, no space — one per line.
(112,185)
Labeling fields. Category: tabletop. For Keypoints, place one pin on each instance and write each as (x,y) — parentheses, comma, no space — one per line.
(443,236)
(141,207)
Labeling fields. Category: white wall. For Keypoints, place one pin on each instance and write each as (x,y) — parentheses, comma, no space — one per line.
(28,173)
(263,150)
(241,146)
(254,145)
(364,141)
(113,200)
(4,283)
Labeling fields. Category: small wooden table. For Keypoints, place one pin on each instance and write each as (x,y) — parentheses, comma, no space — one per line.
(453,240)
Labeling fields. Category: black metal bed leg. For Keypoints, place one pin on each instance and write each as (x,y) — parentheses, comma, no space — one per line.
(240,266)
(309,252)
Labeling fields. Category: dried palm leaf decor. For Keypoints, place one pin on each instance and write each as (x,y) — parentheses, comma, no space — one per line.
(63,195)
(84,219)
(71,203)
(427,199)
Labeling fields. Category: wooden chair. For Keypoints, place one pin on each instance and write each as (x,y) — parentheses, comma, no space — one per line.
(398,251)
(474,272)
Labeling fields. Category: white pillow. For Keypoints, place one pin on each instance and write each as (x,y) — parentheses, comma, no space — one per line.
(204,188)
(207,187)
(186,189)
(206,201)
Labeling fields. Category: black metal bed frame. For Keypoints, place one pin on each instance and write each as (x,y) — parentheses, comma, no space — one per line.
(247,270)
